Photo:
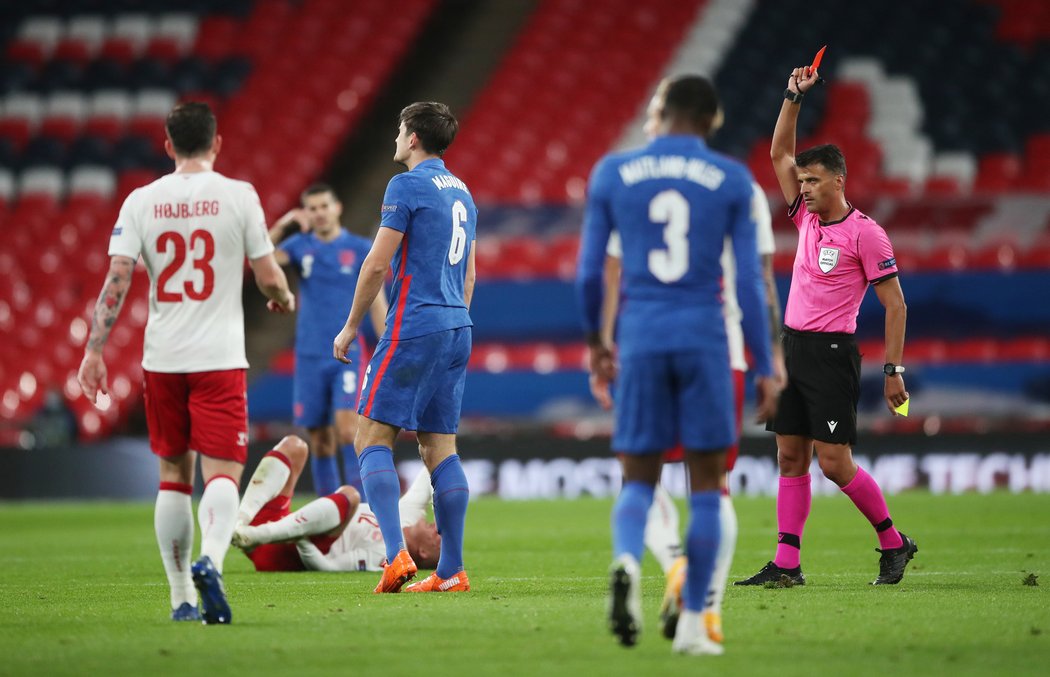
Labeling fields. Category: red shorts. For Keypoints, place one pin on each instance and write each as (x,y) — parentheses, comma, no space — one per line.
(282,556)
(676,453)
(205,411)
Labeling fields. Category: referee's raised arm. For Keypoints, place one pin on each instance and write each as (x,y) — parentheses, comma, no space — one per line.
(782,150)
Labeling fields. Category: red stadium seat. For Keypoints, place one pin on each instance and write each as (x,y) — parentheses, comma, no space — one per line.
(997,173)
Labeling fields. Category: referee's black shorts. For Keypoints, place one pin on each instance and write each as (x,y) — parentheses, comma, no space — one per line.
(820,400)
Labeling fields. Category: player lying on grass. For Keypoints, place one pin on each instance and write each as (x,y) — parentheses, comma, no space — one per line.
(332,533)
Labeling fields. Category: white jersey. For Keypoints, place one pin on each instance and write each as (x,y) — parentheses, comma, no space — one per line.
(193,232)
(766,245)
(361,547)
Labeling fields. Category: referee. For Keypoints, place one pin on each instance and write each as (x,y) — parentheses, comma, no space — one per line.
(840,253)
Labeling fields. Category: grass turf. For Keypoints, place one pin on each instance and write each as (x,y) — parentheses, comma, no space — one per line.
(83,592)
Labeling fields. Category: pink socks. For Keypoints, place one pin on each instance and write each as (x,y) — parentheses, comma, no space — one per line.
(867,496)
(793,502)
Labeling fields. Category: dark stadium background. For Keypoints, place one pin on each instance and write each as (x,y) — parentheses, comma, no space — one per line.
(941,106)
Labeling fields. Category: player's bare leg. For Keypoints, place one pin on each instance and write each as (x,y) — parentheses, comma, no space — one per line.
(376,439)
(173,524)
(451,494)
(836,462)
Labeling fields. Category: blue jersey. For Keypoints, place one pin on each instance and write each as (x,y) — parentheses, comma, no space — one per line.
(673,202)
(436,213)
(328,273)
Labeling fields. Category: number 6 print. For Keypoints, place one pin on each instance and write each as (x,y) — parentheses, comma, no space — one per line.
(459,233)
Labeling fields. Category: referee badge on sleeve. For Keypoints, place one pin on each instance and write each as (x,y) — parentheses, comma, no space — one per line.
(829,258)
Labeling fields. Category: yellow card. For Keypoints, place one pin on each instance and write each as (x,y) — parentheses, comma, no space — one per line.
(903,409)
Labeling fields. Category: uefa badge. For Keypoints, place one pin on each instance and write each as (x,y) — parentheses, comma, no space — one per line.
(829,258)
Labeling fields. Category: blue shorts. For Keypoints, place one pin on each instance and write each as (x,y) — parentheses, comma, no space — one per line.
(417,383)
(662,399)
(322,384)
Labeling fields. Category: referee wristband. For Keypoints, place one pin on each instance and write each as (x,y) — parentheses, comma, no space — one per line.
(793,97)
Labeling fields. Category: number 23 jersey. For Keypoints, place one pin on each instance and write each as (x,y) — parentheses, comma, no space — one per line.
(193,232)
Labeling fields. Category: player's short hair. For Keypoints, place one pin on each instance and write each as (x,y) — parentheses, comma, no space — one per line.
(827,155)
(692,98)
(432,122)
(317,189)
(191,128)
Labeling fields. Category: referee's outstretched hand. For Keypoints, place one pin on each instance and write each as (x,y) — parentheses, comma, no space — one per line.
(802,79)
(768,395)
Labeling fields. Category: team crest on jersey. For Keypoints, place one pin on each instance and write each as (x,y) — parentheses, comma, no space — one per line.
(829,258)
(347,257)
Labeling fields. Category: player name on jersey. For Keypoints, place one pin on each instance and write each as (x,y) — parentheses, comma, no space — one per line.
(186,210)
(443,181)
(649,167)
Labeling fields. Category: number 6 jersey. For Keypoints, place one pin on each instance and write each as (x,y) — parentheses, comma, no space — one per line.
(193,232)
(436,213)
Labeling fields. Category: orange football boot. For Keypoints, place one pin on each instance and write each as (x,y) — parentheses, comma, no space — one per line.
(671,607)
(432,583)
(397,573)
(713,625)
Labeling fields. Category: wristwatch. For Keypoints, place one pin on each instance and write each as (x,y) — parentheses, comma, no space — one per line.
(793,97)
(891,369)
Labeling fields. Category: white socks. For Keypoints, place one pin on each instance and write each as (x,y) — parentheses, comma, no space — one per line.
(724,557)
(173,523)
(266,483)
(413,505)
(316,517)
(662,537)
(217,515)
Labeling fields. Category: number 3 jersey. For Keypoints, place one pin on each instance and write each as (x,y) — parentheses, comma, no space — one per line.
(674,203)
(193,232)
(437,215)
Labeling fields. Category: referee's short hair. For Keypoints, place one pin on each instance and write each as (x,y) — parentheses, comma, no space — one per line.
(827,155)
(692,98)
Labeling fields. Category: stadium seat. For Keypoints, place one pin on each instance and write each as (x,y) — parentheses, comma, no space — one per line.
(82,39)
(22,113)
(63,114)
(128,37)
(35,40)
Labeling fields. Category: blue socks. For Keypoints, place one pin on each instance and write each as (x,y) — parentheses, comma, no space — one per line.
(701,546)
(325,471)
(628,519)
(352,470)
(451,494)
(383,486)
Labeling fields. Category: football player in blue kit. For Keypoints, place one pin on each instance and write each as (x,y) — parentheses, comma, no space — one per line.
(673,202)
(325,393)
(415,379)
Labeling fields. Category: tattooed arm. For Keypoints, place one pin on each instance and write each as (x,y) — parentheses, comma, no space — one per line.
(92,374)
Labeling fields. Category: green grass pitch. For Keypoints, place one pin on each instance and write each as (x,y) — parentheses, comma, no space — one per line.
(82,592)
